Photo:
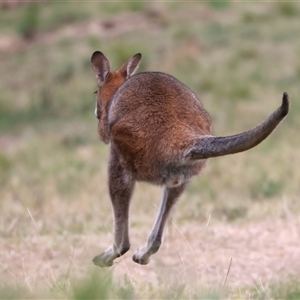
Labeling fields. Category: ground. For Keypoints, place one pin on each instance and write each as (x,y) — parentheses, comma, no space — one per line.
(234,232)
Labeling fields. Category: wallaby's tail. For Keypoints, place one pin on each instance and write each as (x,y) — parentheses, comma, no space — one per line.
(210,146)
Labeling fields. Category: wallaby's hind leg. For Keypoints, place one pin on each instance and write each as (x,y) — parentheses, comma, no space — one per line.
(121,187)
(170,196)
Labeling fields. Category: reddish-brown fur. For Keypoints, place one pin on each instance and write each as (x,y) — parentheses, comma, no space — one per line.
(153,131)
(160,133)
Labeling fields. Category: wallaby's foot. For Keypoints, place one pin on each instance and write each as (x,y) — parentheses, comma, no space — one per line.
(142,255)
(107,258)
(103,260)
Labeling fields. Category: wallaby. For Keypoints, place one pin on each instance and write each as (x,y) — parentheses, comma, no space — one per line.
(159,133)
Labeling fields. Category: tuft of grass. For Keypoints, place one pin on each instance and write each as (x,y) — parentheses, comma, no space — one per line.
(97,286)
(6,166)
(288,9)
(64,72)
(5,163)
(57,14)
(29,22)
(217,34)
(11,292)
(126,290)
(231,214)
(247,53)
(219,4)
(282,290)
(266,188)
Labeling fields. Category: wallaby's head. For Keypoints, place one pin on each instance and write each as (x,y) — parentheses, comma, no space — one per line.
(108,83)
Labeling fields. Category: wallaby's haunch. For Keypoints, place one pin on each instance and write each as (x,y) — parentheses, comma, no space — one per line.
(160,133)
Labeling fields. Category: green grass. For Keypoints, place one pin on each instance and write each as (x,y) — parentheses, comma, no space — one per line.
(99,285)
(55,209)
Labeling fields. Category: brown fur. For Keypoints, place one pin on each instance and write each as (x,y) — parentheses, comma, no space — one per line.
(160,133)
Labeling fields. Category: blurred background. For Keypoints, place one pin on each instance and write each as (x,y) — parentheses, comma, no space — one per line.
(237,57)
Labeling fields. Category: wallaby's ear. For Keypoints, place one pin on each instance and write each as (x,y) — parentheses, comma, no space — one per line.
(100,65)
(131,65)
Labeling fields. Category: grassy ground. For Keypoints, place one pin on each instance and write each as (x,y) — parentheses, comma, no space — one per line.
(55,210)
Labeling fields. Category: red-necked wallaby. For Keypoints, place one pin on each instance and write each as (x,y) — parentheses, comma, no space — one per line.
(160,133)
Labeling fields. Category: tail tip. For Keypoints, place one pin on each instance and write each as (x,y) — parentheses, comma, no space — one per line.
(285,104)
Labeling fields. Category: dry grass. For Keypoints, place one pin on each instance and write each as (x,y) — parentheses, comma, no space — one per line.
(55,209)
(262,254)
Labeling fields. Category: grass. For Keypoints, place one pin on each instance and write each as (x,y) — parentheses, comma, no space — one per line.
(101,286)
(55,208)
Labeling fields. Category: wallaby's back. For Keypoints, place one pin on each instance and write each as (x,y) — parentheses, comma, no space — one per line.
(153,118)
